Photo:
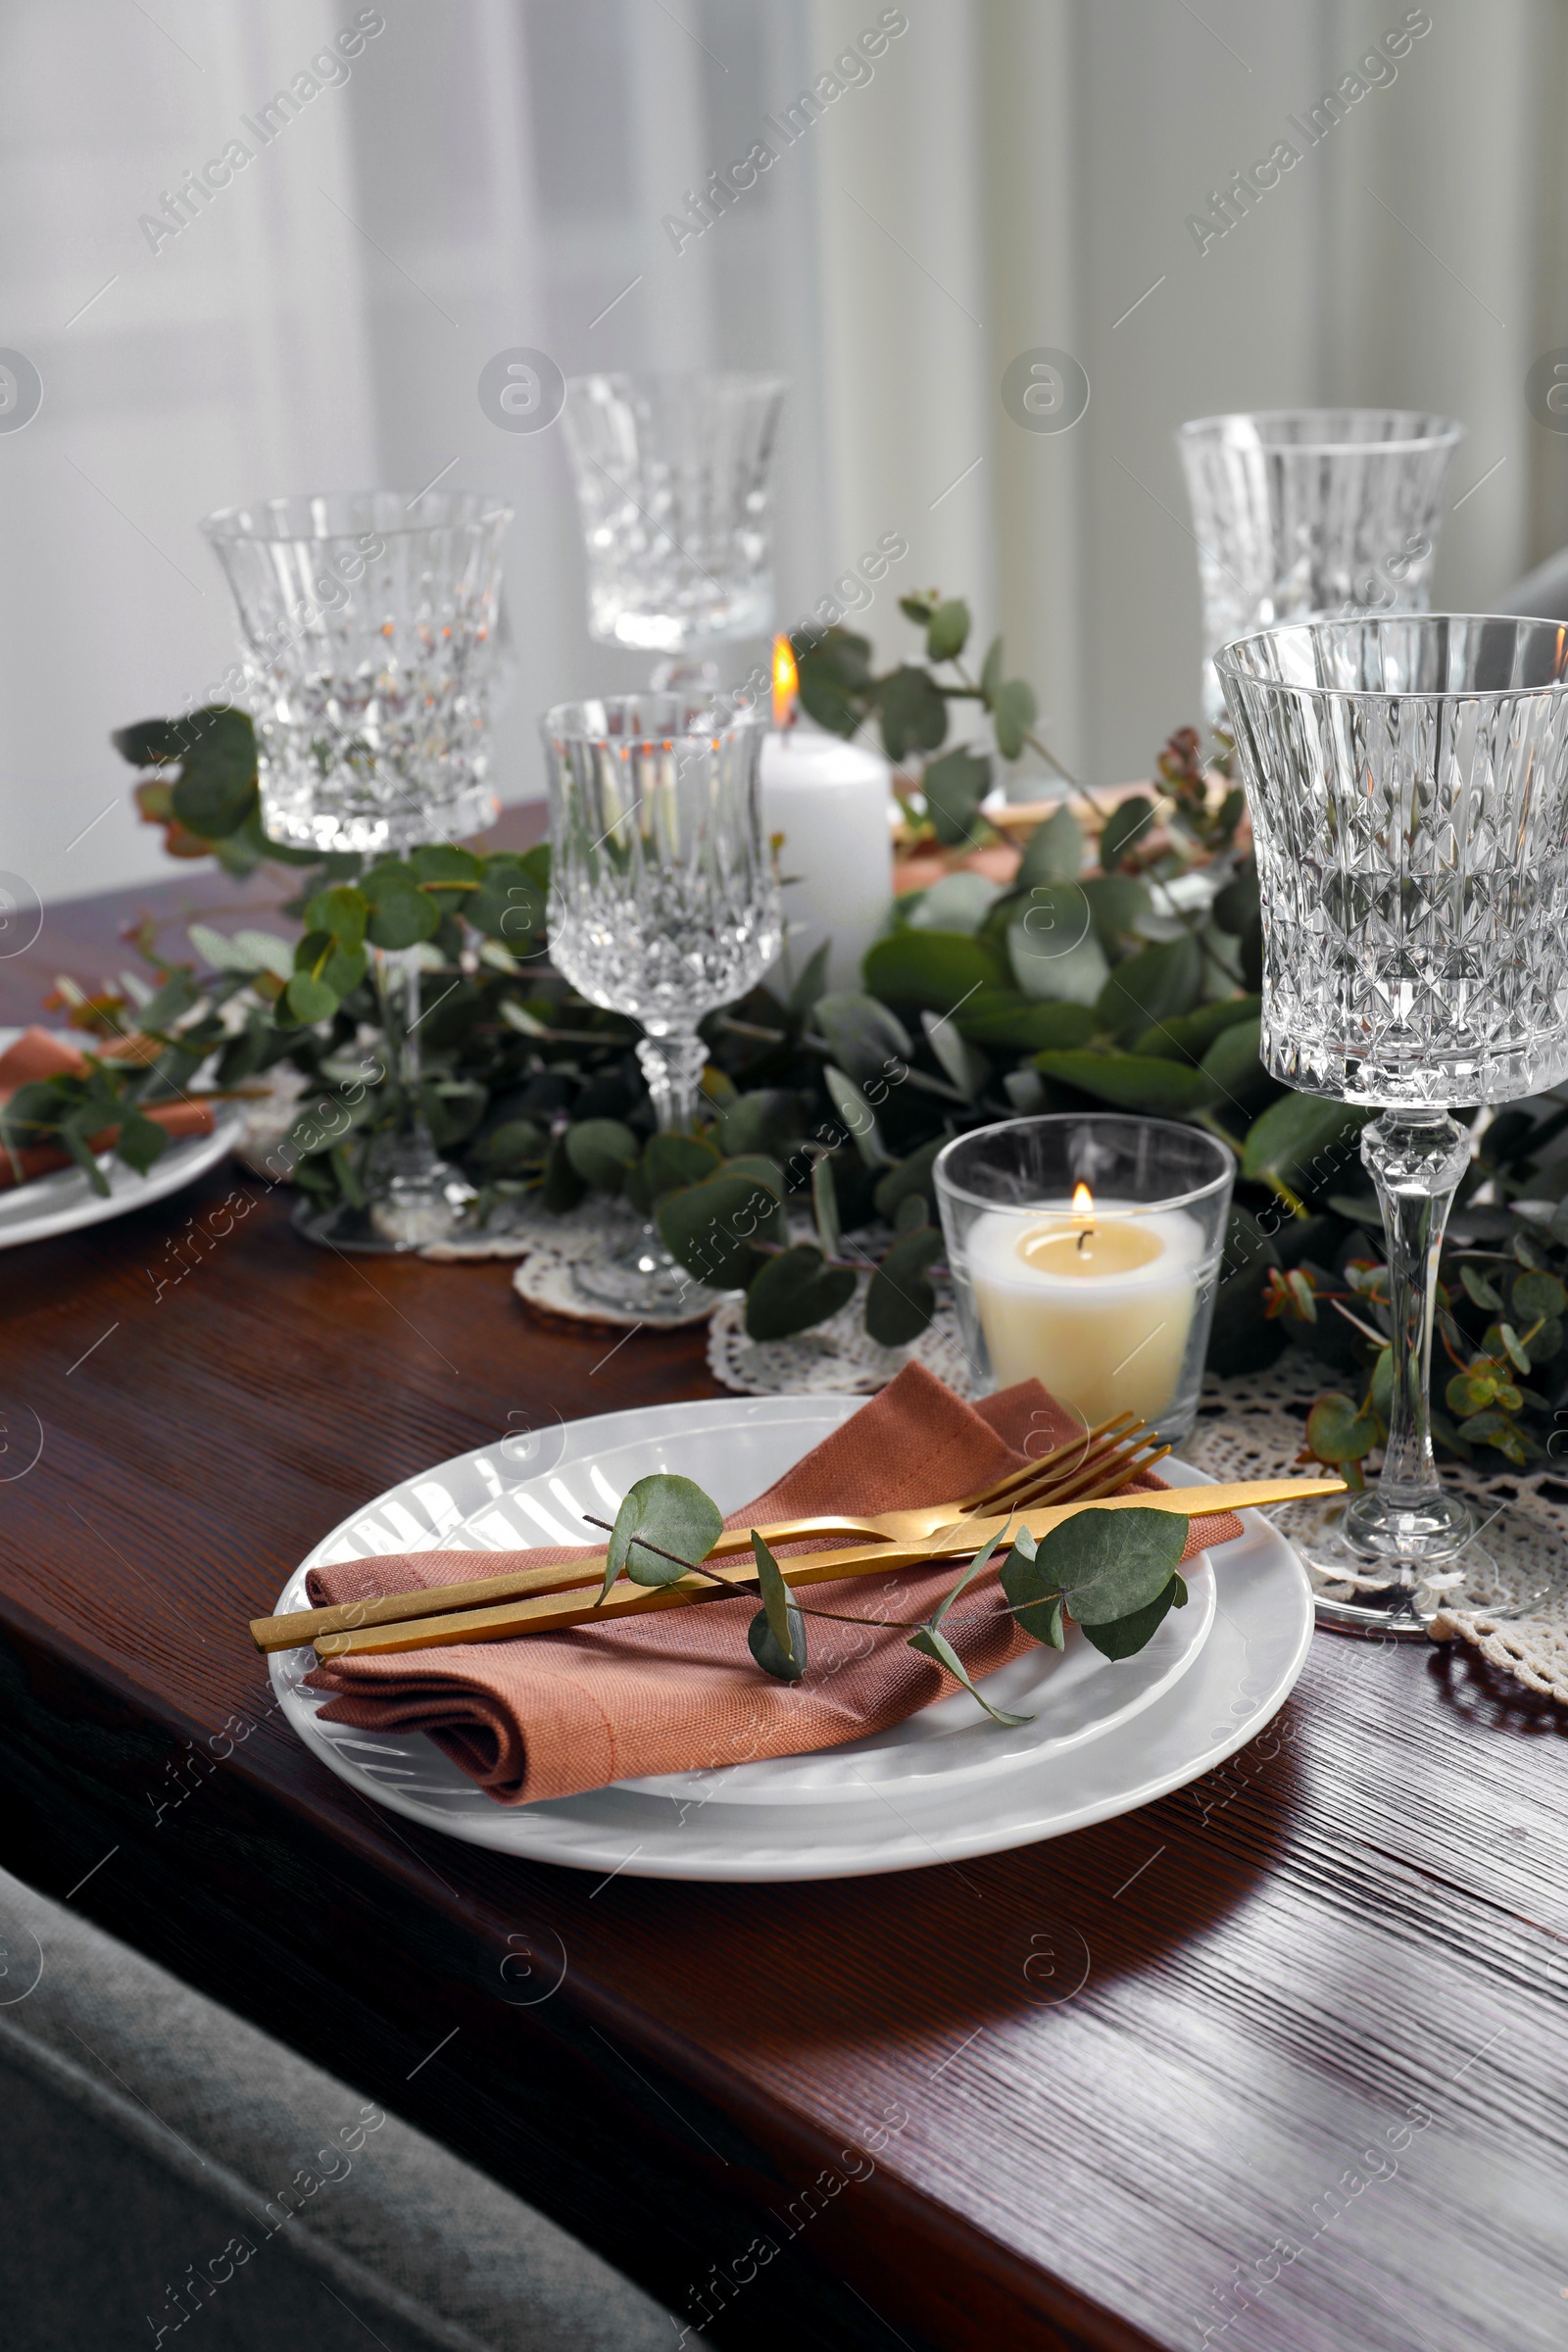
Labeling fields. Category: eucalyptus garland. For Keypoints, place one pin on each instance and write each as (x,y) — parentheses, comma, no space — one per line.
(1119,967)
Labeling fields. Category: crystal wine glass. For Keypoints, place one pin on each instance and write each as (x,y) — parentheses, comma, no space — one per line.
(1312,512)
(1407,778)
(662,906)
(370,623)
(673,482)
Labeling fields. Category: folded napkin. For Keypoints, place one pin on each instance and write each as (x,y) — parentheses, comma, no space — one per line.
(40,1053)
(677,1689)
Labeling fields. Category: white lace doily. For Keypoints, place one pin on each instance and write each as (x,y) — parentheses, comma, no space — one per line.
(1252,1428)
(835,1359)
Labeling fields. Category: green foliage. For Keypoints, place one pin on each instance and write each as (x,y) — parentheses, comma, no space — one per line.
(664,1528)
(776,1634)
(796,1290)
(1116,1572)
(900,1302)
(931,971)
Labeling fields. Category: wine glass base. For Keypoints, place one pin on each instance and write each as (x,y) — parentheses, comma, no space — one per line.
(642,1281)
(404,1216)
(1383,1595)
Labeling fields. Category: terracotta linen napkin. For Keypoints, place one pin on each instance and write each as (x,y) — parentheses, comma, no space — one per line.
(39,1054)
(678,1690)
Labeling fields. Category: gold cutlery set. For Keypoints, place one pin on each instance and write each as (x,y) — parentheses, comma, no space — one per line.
(1092,1472)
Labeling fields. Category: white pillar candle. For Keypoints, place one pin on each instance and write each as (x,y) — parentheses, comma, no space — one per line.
(831,801)
(1097,1305)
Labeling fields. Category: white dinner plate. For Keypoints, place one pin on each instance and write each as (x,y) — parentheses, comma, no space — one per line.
(63,1202)
(932,1794)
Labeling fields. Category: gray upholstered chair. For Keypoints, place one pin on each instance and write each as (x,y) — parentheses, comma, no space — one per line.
(148,2137)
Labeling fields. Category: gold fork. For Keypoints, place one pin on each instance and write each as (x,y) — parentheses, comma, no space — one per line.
(560,1611)
(1100,1462)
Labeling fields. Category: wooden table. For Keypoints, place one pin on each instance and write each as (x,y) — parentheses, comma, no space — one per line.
(1276,2062)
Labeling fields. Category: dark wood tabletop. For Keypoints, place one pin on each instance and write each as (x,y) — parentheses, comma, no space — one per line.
(1277,2061)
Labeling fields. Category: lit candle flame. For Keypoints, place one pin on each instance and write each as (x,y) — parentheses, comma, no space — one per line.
(1083,1212)
(786,683)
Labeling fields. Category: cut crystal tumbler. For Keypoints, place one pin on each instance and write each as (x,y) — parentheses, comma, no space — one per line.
(1407,779)
(369,622)
(673,482)
(1312,512)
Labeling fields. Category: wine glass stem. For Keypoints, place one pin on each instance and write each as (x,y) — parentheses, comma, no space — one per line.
(397,980)
(674,1067)
(1415,1159)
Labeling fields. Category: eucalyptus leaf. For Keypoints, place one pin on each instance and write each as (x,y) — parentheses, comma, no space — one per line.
(909,1180)
(216,790)
(1305,1142)
(710,1227)
(967,1067)
(777,1604)
(1338,1431)
(960,902)
(864,1037)
(141,1141)
(857,1115)
(1012,714)
(932,971)
(1481,1289)
(1111,1563)
(1188,1036)
(1002,1016)
(1133,1082)
(812,982)
(946,632)
(601,1150)
(1151,987)
(1233,1064)
(311,1000)
(1053,850)
(795,1290)
(673,1512)
(672,1161)
(912,712)
(1125,1637)
(1126,829)
(900,1302)
(1052,946)
(934,1645)
(785,1665)
(825,1205)
(953,787)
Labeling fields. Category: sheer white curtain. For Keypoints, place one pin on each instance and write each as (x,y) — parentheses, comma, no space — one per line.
(974,179)
(1022,177)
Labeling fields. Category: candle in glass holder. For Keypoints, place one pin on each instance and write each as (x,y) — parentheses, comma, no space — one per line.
(830,801)
(1093,1299)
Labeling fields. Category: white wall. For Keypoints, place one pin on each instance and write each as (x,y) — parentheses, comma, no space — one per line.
(1015,173)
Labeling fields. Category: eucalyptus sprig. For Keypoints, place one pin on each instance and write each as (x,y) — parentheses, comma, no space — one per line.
(1113,1573)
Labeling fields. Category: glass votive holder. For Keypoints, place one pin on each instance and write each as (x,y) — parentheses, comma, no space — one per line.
(1085,1250)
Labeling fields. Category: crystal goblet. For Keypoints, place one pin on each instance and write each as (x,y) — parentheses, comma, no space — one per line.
(672,483)
(1312,512)
(369,622)
(662,906)
(1407,778)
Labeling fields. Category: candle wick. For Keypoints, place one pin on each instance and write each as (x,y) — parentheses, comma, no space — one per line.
(1084,1236)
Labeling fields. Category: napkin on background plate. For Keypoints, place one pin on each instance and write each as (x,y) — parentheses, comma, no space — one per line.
(677,1690)
(40,1053)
